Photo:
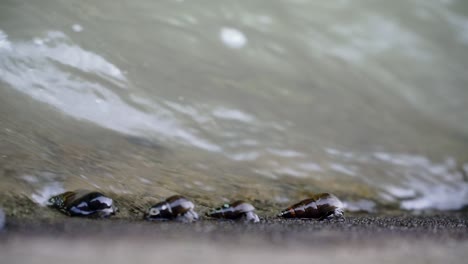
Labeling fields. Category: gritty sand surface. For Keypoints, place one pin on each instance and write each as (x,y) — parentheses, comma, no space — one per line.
(358,239)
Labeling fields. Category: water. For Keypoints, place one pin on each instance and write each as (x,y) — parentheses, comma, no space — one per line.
(268,99)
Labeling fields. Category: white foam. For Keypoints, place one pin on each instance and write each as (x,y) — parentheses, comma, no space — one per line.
(369,36)
(340,153)
(415,181)
(4,43)
(362,205)
(310,166)
(244,156)
(291,172)
(233,38)
(42,195)
(286,153)
(427,185)
(30,178)
(30,71)
(441,197)
(77,28)
(401,193)
(341,168)
(144,180)
(265,173)
(232,114)
(458,22)
(407,160)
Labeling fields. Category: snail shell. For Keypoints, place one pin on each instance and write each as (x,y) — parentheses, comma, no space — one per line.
(173,208)
(83,203)
(236,210)
(320,206)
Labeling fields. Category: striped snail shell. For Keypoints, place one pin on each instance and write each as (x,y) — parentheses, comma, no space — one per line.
(83,203)
(320,206)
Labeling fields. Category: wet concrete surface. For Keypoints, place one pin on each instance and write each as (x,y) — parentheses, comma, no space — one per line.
(359,239)
(270,230)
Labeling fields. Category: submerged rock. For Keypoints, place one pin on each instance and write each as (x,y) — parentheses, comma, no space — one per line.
(83,203)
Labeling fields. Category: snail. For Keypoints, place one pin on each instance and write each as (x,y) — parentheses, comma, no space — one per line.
(83,203)
(320,206)
(173,208)
(236,210)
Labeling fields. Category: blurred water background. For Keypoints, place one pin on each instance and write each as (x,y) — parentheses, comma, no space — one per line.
(264,99)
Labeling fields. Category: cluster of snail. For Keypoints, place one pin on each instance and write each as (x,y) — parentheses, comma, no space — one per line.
(95,204)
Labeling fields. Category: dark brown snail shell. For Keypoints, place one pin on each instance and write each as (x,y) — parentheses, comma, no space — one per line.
(236,210)
(83,203)
(173,208)
(320,206)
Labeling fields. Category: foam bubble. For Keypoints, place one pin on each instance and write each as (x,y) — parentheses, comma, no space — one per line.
(77,28)
(233,38)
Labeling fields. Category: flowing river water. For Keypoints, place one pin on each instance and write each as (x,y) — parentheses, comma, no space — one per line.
(264,100)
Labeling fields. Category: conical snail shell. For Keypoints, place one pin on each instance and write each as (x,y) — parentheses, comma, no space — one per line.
(319,206)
